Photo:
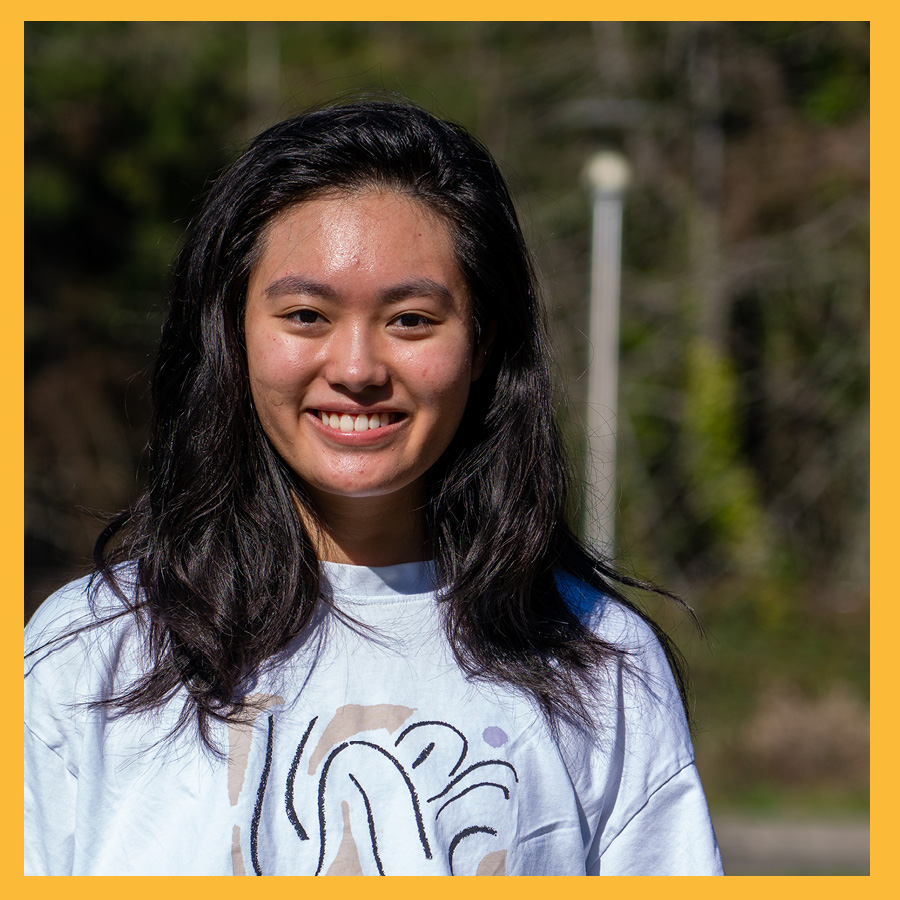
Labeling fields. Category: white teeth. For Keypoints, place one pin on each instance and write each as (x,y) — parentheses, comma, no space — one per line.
(347,423)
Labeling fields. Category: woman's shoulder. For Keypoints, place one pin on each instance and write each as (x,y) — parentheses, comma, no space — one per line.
(643,671)
(82,611)
(78,645)
(61,611)
(640,709)
(610,619)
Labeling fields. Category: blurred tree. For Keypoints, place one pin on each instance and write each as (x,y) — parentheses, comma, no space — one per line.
(743,421)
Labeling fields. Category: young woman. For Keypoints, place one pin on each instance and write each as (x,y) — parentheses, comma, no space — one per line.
(347,630)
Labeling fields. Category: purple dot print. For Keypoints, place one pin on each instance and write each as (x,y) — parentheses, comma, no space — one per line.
(494,736)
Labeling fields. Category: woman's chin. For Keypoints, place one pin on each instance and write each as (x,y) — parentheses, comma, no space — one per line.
(366,490)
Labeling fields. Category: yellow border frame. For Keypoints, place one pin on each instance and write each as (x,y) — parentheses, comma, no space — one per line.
(884,428)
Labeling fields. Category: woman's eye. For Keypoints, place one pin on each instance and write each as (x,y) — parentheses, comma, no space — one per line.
(412,320)
(306,316)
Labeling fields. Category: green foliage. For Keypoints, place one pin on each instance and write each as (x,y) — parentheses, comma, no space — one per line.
(721,487)
(743,416)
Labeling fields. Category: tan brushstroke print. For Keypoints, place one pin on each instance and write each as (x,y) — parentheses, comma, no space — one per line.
(352,719)
(237,856)
(240,737)
(493,864)
(347,860)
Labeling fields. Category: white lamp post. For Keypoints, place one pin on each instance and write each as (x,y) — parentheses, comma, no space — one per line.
(607,174)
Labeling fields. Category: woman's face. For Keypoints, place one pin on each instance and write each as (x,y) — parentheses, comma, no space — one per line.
(359,342)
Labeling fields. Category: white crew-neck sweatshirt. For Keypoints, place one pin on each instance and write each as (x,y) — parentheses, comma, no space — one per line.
(369,753)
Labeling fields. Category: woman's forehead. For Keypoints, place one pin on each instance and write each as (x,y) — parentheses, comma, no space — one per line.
(372,223)
(377,241)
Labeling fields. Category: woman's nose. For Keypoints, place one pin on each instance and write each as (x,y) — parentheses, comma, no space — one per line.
(356,359)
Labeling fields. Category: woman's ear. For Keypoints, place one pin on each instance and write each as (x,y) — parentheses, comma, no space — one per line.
(483,349)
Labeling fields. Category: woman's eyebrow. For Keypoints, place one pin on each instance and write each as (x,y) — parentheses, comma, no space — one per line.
(299,284)
(414,287)
(417,287)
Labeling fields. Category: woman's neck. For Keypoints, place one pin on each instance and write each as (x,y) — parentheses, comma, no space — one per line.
(367,531)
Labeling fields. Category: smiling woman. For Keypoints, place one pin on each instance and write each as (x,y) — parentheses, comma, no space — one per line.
(361,352)
(347,629)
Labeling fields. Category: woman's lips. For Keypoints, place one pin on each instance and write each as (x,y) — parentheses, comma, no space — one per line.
(356,422)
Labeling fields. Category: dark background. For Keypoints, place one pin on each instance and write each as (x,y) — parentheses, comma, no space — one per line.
(743,418)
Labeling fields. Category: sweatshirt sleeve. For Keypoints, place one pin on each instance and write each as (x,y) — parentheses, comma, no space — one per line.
(670,835)
(644,807)
(58,679)
(49,810)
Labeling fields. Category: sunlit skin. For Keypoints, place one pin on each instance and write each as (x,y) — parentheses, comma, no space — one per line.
(357,306)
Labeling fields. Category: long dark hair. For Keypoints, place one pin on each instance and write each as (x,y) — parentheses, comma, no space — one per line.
(227,574)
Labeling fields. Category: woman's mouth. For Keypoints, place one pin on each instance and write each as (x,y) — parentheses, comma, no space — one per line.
(346,422)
